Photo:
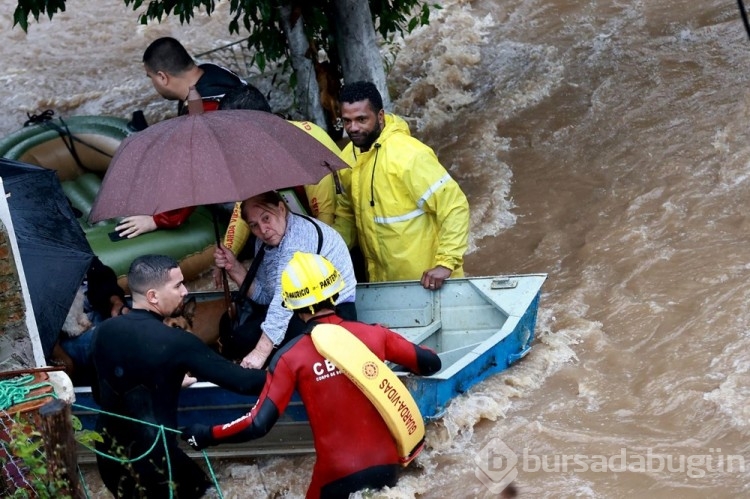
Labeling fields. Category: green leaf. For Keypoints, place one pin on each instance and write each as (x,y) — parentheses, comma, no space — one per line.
(21,18)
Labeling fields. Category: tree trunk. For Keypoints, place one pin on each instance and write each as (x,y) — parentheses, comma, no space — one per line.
(307,92)
(358,46)
(60,447)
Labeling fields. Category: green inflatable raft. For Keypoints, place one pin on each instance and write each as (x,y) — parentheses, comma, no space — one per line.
(80,148)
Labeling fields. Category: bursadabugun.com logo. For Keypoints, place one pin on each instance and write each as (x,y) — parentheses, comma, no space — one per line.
(498,465)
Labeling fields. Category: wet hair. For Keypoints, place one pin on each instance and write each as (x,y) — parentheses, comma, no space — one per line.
(245,97)
(168,55)
(149,271)
(362,90)
(268,198)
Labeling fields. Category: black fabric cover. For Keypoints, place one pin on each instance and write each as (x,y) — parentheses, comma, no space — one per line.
(53,247)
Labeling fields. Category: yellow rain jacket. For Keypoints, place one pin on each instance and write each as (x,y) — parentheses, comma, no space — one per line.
(321,197)
(403,207)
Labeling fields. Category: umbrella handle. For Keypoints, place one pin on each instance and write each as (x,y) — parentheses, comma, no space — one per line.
(231,310)
(336,180)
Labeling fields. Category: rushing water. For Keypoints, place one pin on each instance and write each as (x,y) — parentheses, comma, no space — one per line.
(602,142)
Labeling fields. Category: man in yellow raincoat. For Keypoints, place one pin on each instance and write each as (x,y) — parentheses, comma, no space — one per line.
(408,215)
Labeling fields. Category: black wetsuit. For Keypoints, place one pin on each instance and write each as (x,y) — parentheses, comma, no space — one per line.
(140,364)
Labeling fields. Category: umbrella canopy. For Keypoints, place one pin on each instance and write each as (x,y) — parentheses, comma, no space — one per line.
(216,157)
(53,247)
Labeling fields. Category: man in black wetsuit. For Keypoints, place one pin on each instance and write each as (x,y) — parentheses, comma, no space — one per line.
(140,364)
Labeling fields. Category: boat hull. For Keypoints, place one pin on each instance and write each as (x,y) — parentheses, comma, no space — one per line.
(478,326)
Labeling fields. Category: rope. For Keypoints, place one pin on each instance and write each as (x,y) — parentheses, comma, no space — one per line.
(217,49)
(67,137)
(161,435)
(82,479)
(16,390)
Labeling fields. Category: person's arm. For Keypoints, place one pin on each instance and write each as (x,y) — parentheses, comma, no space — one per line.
(274,329)
(205,364)
(173,218)
(274,399)
(322,200)
(431,186)
(277,318)
(135,225)
(416,358)
(235,238)
(452,210)
(225,259)
(344,221)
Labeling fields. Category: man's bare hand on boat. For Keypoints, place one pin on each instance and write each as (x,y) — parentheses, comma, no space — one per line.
(433,278)
(136,225)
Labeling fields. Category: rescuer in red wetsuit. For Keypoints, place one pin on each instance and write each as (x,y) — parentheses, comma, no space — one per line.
(354,447)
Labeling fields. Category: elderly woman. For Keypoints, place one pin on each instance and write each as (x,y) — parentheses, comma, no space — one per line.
(280,233)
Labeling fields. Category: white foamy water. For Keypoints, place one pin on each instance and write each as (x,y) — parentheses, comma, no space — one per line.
(604,143)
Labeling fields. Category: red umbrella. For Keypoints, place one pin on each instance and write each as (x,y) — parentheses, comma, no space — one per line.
(216,157)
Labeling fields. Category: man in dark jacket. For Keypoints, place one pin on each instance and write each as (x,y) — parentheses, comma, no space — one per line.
(172,72)
(140,364)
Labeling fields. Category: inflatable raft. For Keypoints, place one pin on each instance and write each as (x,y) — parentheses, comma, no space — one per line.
(80,148)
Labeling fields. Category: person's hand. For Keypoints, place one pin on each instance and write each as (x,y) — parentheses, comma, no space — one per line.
(198,436)
(136,225)
(218,280)
(257,357)
(118,307)
(224,258)
(188,380)
(432,279)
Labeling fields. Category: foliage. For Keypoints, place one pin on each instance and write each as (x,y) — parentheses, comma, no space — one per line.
(262,20)
(87,438)
(27,447)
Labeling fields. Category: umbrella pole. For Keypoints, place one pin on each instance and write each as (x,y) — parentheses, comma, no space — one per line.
(224,279)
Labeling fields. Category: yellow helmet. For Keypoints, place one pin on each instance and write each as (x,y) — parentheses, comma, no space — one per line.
(309,279)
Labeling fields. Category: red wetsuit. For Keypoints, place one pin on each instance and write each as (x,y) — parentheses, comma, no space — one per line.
(350,435)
